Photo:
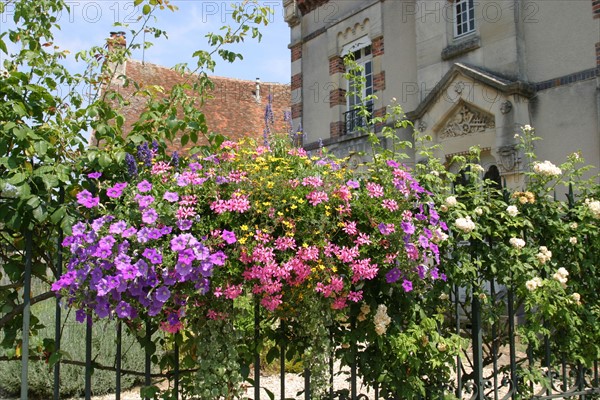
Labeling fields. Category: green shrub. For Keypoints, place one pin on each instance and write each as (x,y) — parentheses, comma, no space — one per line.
(41,377)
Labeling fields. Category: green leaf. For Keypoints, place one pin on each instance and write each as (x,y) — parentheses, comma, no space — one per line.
(17,178)
(185,138)
(104,160)
(146,9)
(33,202)
(272,354)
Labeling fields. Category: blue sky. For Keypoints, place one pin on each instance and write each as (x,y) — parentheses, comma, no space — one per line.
(90,22)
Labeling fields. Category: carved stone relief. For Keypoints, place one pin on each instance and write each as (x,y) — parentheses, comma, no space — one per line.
(467,121)
(508,157)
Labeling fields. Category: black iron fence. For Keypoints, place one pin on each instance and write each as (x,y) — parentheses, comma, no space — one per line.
(495,365)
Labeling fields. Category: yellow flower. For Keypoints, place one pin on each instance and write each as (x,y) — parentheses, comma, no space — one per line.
(293,206)
(244,227)
(242,240)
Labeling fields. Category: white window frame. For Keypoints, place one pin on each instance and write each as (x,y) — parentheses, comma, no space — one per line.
(365,61)
(464,17)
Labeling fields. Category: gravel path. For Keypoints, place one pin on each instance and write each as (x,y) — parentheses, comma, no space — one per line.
(293,385)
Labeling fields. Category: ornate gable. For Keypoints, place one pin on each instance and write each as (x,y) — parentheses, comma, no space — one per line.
(466,121)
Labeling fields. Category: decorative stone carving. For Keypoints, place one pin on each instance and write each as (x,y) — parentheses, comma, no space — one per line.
(506,107)
(467,121)
(354,161)
(507,156)
(421,126)
(459,87)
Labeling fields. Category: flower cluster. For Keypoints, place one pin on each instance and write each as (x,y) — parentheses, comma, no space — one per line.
(465,224)
(594,207)
(544,255)
(561,276)
(524,197)
(517,243)
(546,168)
(381,319)
(534,283)
(276,224)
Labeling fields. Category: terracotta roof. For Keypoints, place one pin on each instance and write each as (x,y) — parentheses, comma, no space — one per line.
(232,109)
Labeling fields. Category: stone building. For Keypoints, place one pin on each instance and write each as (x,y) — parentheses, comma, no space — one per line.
(465,72)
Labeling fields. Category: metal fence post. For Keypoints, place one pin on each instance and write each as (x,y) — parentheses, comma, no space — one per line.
(256,349)
(88,356)
(26,315)
(477,347)
(58,314)
(118,357)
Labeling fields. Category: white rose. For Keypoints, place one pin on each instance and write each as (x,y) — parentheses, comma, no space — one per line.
(530,285)
(546,168)
(576,297)
(512,211)
(451,201)
(517,243)
(464,224)
(573,240)
(594,207)
(479,211)
(562,271)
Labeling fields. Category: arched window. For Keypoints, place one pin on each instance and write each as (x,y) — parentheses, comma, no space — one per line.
(493,174)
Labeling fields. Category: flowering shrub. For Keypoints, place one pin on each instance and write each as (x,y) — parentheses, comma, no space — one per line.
(177,244)
(529,243)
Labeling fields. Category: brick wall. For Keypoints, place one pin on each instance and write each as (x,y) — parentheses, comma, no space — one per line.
(596,8)
(336,129)
(297,81)
(377,46)
(337,97)
(336,65)
(378,81)
(296,52)
(296,110)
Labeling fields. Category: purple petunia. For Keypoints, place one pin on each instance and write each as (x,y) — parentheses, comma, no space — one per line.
(153,255)
(86,199)
(118,227)
(171,197)
(124,310)
(408,228)
(393,275)
(144,201)
(162,294)
(228,237)
(184,224)
(94,175)
(353,184)
(144,186)
(407,285)
(149,216)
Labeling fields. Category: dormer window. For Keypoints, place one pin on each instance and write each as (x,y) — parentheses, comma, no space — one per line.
(464,17)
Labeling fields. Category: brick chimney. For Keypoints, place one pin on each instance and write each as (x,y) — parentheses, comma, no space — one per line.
(116,40)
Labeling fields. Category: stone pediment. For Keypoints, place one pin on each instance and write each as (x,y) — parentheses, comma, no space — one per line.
(480,77)
(466,120)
